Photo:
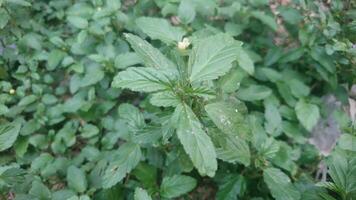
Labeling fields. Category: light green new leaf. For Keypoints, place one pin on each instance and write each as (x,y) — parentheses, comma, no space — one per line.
(76,179)
(142,79)
(254,93)
(165,99)
(128,156)
(245,61)
(150,56)
(280,185)
(195,141)
(160,29)
(229,117)
(307,113)
(212,57)
(141,194)
(8,134)
(177,185)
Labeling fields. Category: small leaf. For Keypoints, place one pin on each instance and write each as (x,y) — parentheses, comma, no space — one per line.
(232,186)
(54,59)
(347,142)
(76,179)
(160,29)
(8,134)
(195,141)
(128,156)
(131,115)
(245,61)
(141,194)
(177,185)
(280,185)
(40,191)
(78,22)
(266,19)
(308,114)
(212,57)
(186,11)
(4,18)
(254,93)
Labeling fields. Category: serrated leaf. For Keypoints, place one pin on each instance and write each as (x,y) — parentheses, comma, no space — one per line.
(233,150)
(232,186)
(142,79)
(195,141)
(212,57)
(141,194)
(273,123)
(165,99)
(280,185)
(8,134)
(150,56)
(125,60)
(308,114)
(177,185)
(40,191)
(160,29)
(229,117)
(131,115)
(128,156)
(254,93)
(76,179)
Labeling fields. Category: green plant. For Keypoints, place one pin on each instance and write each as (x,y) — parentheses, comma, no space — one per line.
(191,99)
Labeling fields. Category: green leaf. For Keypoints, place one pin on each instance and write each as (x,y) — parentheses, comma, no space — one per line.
(319,55)
(128,156)
(141,194)
(8,134)
(266,19)
(78,22)
(232,186)
(165,99)
(76,179)
(195,141)
(308,114)
(54,59)
(19,2)
(125,60)
(245,61)
(150,56)
(233,150)
(280,185)
(142,79)
(254,93)
(89,130)
(40,191)
(298,88)
(93,74)
(347,142)
(212,57)
(4,18)
(160,29)
(27,100)
(186,11)
(273,124)
(229,117)
(177,185)
(131,115)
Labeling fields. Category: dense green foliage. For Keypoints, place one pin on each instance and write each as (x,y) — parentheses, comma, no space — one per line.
(164,99)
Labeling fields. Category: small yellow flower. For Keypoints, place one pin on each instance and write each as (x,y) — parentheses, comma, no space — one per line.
(12,91)
(183,44)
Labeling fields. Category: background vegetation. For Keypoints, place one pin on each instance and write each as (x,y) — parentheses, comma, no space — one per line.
(187,99)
